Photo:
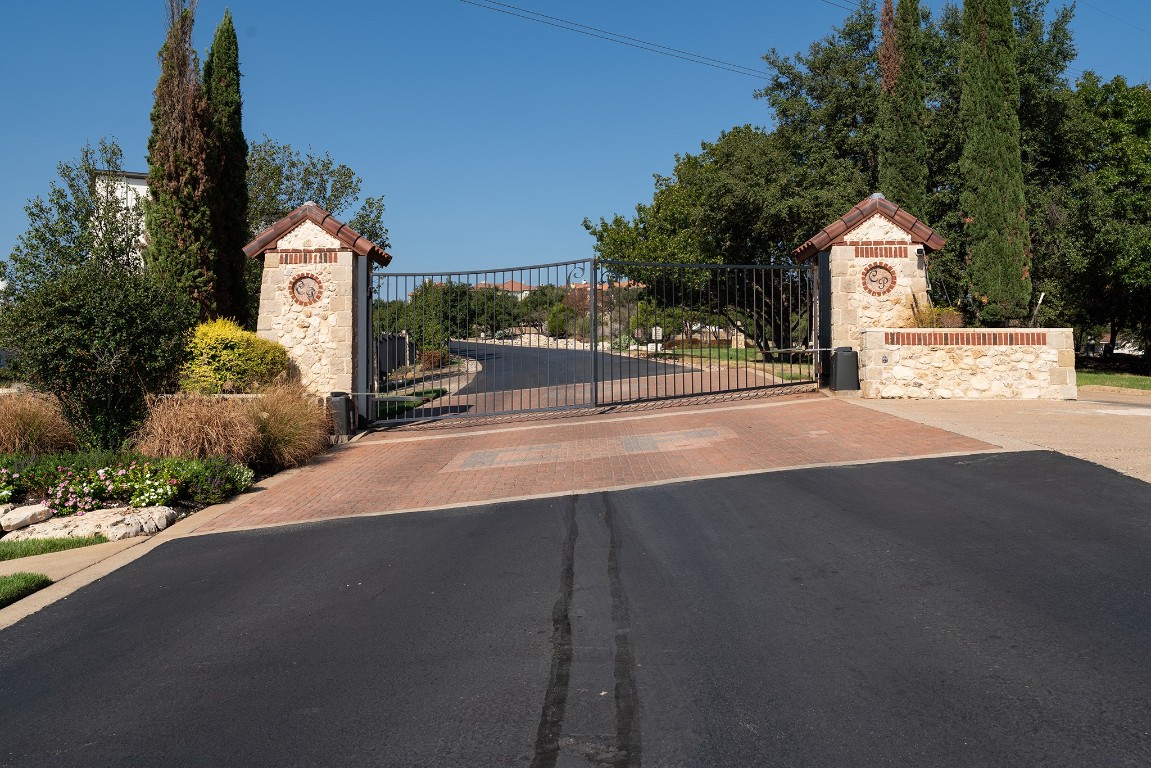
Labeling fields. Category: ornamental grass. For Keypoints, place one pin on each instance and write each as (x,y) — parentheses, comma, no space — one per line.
(197,426)
(293,424)
(33,424)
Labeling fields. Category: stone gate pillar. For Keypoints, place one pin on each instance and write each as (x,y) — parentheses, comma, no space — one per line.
(315,299)
(873,268)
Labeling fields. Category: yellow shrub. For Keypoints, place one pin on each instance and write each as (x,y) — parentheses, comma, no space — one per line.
(223,357)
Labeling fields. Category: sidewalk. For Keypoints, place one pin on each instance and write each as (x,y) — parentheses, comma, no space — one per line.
(1105,426)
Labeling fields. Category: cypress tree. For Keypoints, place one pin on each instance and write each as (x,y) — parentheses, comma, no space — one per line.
(177,218)
(902,112)
(991,171)
(228,167)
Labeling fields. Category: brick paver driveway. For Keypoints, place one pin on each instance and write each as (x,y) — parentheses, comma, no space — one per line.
(410,470)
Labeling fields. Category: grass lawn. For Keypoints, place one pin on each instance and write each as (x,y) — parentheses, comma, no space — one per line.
(388,409)
(792,371)
(19,585)
(798,371)
(720,354)
(1125,380)
(10,550)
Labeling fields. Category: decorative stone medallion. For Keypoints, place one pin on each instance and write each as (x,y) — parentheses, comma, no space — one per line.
(878,278)
(306,289)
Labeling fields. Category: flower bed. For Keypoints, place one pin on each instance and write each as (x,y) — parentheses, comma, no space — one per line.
(70,484)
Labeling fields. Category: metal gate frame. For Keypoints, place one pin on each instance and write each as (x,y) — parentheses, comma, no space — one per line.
(644,331)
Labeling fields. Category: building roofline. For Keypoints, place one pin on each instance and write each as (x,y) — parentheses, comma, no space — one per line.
(861,212)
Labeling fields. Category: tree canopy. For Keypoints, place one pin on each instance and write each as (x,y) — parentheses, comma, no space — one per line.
(88,215)
(280,179)
(228,166)
(1074,211)
(181,250)
(992,200)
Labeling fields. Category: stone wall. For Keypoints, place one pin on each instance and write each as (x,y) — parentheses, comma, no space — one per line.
(1028,364)
(319,336)
(856,304)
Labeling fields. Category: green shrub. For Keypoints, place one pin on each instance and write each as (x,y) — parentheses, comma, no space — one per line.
(432,359)
(223,357)
(198,426)
(100,337)
(33,424)
(560,320)
(18,585)
(212,481)
(294,426)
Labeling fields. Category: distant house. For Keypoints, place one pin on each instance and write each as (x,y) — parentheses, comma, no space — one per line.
(131,187)
(521,290)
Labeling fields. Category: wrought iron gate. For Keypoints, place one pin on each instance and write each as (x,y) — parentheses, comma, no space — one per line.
(586,334)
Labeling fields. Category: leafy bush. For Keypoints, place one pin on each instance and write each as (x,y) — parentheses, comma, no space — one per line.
(431,359)
(222,356)
(212,481)
(18,585)
(198,426)
(560,320)
(100,336)
(33,424)
(293,424)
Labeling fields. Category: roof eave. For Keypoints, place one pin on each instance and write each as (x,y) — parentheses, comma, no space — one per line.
(348,237)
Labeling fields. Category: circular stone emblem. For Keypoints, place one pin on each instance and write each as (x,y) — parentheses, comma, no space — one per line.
(306,289)
(878,279)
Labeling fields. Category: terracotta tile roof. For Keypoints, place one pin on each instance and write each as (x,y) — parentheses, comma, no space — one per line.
(347,236)
(877,203)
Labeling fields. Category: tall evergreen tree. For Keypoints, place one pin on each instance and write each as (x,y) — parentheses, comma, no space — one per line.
(228,167)
(902,112)
(177,218)
(991,171)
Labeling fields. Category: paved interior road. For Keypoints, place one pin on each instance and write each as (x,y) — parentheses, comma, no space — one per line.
(973,611)
(511,367)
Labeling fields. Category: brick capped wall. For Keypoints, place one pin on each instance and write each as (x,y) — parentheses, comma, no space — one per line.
(1028,364)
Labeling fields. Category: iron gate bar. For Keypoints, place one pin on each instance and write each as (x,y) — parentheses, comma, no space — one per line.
(544,332)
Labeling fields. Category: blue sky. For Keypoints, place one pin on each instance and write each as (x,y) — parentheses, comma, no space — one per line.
(491,137)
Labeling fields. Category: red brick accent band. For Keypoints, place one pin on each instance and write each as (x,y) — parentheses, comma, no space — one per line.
(308,257)
(874,249)
(966,338)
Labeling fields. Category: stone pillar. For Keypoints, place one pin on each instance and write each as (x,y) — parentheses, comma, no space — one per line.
(877,275)
(873,269)
(315,299)
(308,300)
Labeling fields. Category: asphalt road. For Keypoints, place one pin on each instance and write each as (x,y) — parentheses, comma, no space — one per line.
(983,611)
(510,367)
